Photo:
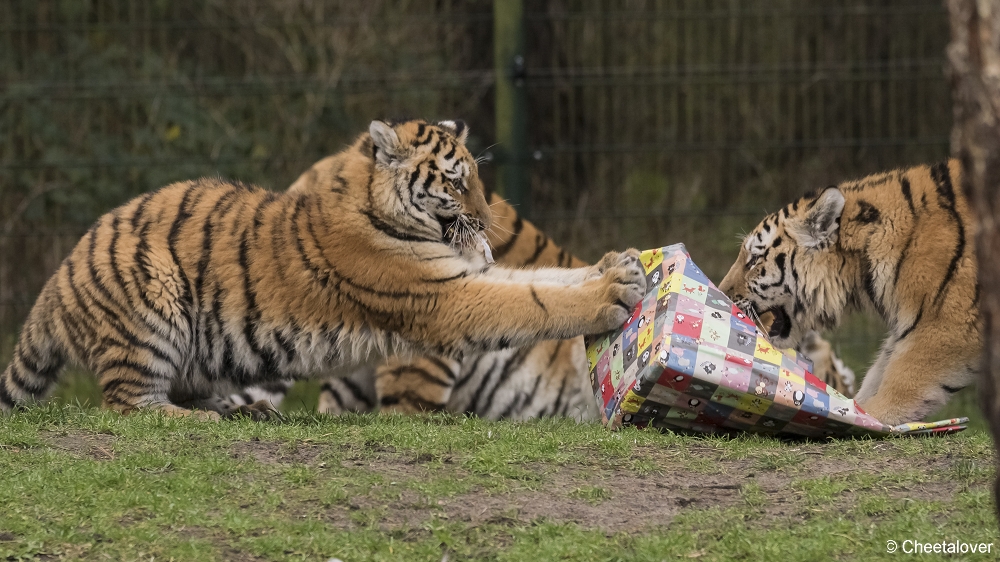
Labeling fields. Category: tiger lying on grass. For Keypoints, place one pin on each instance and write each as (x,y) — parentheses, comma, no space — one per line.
(897,243)
(549,378)
(209,284)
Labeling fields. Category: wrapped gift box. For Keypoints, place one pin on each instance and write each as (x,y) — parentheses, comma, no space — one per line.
(688,359)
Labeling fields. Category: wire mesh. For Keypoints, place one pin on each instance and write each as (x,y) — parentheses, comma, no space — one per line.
(650,122)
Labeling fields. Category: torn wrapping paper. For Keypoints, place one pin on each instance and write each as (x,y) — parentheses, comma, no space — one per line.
(690,360)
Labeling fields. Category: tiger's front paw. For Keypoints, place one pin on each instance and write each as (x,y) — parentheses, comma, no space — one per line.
(894,411)
(615,259)
(626,286)
(261,410)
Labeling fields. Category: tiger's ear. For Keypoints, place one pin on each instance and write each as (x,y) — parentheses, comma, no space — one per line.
(386,140)
(822,220)
(457,128)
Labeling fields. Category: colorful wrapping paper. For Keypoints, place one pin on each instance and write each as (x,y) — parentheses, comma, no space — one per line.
(690,360)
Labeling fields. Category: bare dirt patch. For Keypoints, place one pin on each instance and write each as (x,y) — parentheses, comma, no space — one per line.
(612,499)
(277,453)
(97,446)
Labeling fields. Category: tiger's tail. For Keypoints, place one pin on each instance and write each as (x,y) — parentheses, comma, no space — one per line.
(39,356)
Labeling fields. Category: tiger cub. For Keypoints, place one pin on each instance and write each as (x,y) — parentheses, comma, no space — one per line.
(896,242)
(208,283)
(546,379)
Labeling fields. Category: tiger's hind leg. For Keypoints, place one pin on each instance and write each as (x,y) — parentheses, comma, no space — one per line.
(136,378)
(423,384)
(175,411)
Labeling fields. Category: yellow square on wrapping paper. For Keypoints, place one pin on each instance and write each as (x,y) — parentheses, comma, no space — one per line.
(788,384)
(767,352)
(751,403)
(796,380)
(651,259)
(671,284)
(631,402)
(594,352)
(646,336)
(665,287)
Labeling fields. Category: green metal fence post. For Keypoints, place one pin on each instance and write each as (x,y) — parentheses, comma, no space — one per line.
(511,103)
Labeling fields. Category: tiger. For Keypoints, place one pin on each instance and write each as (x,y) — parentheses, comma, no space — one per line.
(896,243)
(549,378)
(209,284)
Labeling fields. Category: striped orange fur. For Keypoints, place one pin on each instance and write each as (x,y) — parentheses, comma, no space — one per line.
(546,379)
(897,243)
(209,284)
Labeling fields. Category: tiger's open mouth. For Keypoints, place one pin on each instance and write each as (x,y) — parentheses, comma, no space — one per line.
(462,231)
(780,325)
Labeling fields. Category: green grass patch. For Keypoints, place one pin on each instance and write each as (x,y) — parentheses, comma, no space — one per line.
(81,483)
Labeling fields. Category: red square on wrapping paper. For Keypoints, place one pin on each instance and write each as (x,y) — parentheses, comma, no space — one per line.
(738,314)
(607,389)
(675,380)
(688,325)
(739,360)
(811,379)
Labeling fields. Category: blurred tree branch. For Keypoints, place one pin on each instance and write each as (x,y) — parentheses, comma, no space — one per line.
(974,57)
(38,189)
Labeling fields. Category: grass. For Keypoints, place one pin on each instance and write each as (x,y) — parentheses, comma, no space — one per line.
(82,483)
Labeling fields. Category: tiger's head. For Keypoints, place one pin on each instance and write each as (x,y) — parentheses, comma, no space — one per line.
(425,179)
(790,275)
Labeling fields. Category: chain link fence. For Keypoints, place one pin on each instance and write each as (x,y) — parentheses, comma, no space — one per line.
(646,122)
